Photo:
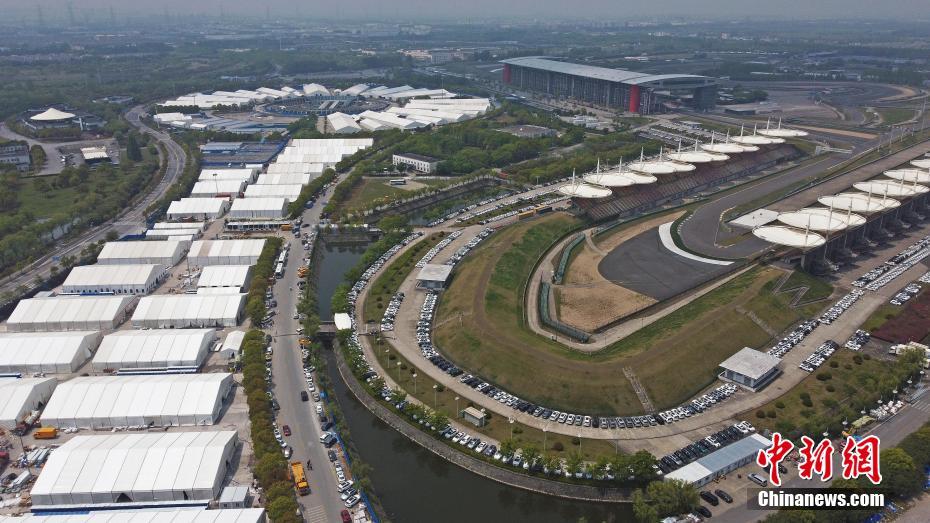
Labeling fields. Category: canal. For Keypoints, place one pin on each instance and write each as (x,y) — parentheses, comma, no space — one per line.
(413,484)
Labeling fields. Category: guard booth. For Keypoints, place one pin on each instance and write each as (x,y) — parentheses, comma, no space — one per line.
(474,416)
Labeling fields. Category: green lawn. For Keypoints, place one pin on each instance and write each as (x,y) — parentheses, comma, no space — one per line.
(388,282)
(370,192)
(882,314)
(45,203)
(895,115)
(817,288)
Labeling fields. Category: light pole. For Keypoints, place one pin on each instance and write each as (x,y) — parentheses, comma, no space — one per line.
(414,383)
(398,373)
(579,442)
(435,393)
(545,434)
(457,411)
(511,420)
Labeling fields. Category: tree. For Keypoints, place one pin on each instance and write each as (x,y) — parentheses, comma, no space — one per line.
(573,462)
(530,453)
(641,466)
(672,497)
(508,446)
(282,509)
(551,462)
(439,420)
(899,474)
(917,445)
(643,511)
(133,152)
(599,469)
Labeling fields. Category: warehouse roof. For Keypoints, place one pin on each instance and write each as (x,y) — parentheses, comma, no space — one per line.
(253,203)
(197,206)
(19,396)
(46,351)
(89,275)
(289,191)
(284,178)
(161,399)
(196,309)
(68,313)
(135,467)
(230,515)
(141,250)
(434,272)
(226,248)
(751,363)
(595,72)
(224,276)
(218,187)
(720,460)
(227,174)
(154,348)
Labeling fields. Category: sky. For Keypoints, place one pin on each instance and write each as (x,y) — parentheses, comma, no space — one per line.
(484,9)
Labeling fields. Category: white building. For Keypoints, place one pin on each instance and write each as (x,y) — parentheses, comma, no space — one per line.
(232,345)
(720,462)
(233,277)
(68,313)
(260,208)
(392,120)
(289,191)
(300,167)
(47,352)
(172,311)
(136,468)
(197,209)
(238,174)
(114,279)
(225,252)
(19,397)
(215,188)
(294,178)
(424,164)
(341,123)
(231,515)
(103,402)
(154,348)
(167,253)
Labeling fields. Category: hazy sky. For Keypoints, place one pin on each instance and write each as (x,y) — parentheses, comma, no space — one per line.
(527,9)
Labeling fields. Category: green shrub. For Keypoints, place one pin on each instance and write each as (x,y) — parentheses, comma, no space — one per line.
(780,404)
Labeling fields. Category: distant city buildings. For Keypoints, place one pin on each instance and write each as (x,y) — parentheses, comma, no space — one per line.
(15,153)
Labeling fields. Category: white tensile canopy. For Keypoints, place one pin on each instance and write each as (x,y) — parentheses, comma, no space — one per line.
(815,222)
(52,115)
(780,132)
(578,189)
(849,218)
(789,236)
(46,352)
(921,163)
(858,202)
(909,175)
(892,188)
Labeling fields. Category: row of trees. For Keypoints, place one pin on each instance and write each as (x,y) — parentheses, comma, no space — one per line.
(262,277)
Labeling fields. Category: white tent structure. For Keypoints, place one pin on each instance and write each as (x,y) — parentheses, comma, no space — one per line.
(652,167)
(891,188)
(814,221)
(290,167)
(115,279)
(289,191)
(232,277)
(52,115)
(232,345)
(921,163)
(68,313)
(294,178)
(696,155)
(46,352)
(154,348)
(341,123)
(229,515)
(261,208)
(238,174)
(225,252)
(858,202)
(167,253)
(127,468)
(849,218)
(617,178)
(185,235)
(779,132)
(172,311)
(103,402)
(19,397)
(214,188)
(197,208)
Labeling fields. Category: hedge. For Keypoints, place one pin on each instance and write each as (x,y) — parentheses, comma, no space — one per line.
(262,277)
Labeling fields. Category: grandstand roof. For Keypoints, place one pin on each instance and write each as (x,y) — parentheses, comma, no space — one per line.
(909,175)
(584,190)
(49,352)
(154,348)
(849,218)
(597,73)
(858,202)
(789,237)
(814,221)
(609,179)
(695,157)
(170,466)
(892,188)
(921,163)
(652,167)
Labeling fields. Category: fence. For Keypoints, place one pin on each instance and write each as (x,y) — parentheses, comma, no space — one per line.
(544,289)
(563,261)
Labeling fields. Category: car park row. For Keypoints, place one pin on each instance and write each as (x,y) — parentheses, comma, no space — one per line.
(857,340)
(793,338)
(895,266)
(819,356)
(701,447)
(430,254)
(390,314)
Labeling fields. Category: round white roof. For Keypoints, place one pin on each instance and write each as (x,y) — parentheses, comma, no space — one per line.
(781,235)
(51,115)
(893,188)
(639,178)
(814,222)
(849,218)
(727,148)
(921,163)
(755,139)
(681,167)
(650,167)
(858,202)
(782,133)
(614,179)
(909,175)
(693,157)
(584,190)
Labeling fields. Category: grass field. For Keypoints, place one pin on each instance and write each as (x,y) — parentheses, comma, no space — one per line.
(390,279)
(674,357)
(881,315)
(856,381)
(817,288)
(894,115)
(370,192)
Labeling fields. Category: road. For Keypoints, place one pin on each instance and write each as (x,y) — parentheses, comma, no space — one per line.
(130,219)
(323,503)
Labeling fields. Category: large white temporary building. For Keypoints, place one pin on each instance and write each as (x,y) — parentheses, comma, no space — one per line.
(167,252)
(127,468)
(225,252)
(341,123)
(289,191)
(115,279)
(184,235)
(68,313)
(262,208)
(172,311)
(154,348)
(214,188)
(287,167)
(197,208)
(47,352)
(238,174)
(103,402)
(297,178)
(167,515)
(228,276)
(392,120)
(19,397)
(232,345)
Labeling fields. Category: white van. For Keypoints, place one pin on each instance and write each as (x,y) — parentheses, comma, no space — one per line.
(758,480)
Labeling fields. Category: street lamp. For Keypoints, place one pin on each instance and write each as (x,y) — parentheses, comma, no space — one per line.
(435,392)
(457,411)
(511,420)
(414,383)
(545,434)
(398,373)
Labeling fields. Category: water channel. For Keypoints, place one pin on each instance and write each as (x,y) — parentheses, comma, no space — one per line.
(415,485)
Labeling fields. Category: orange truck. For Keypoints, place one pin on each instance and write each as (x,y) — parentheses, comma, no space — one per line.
(45,433)
(300,478)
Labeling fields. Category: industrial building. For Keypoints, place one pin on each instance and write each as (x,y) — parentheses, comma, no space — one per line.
(423,164)
(19,397)
(16,154)
(197,209)
(289,191)
(750,369)
(259,208)
(185,235)
(68,313)
(617,88)
(434,276)
(46,352)
(167,253)
(161,400)
(166,311)
(233,277)
(187,515)
(114,279)
(215,188)
(225,252)
(341,123)
(154,348)
(131,468)
(232,345)
(283,166)
(720,462)
(285,178)
(246,175)
(240,154)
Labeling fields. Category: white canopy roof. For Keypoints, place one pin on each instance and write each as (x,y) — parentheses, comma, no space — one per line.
(154,348)
(782,133)
(858,202)
(610,179)
(921,163)
(755,139)
(849,218)
(893,188)
(48,352)
(696,157)
(197,208)
(93,278)
(211,188)
(289,191)
(170,466)
(225,276)
(69,313)
(225,252)
(229,515)
(652,167)
(584,190)
(189,310)
(812,221)
(263,208)
(727,148)
(19,397)
(101,402)
(51,115)
(910,175)
(788,236)
(298,178)
(167,252)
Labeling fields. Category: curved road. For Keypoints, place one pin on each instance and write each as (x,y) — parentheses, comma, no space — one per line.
(175,161)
